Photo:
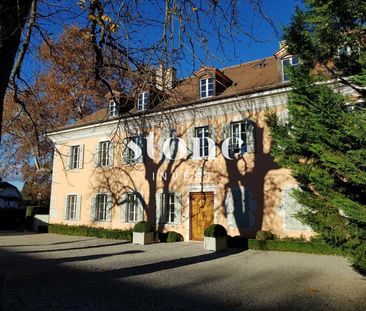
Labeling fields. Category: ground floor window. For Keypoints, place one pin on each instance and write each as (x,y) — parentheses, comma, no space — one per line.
(71,207)
(168,207)
(101,207)
(132,212)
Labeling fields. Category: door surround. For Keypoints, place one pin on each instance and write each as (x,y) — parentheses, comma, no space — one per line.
(198,188)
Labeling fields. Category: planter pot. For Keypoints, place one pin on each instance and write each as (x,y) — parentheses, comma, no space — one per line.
(142,238)
(214,244)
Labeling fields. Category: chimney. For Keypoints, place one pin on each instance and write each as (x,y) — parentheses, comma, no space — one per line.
(165,78)
(282,44)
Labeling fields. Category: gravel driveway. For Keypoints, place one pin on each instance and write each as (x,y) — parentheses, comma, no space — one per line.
(55,272)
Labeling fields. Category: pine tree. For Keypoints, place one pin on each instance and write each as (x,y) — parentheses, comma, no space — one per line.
(324,138)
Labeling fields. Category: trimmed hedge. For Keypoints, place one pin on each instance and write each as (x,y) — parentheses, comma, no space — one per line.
(89,231)
(293,246)
(174,237)
(263,235)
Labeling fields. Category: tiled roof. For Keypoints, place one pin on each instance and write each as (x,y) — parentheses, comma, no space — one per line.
(246,78)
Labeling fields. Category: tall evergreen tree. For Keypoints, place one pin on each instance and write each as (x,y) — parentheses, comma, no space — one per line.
(324,138)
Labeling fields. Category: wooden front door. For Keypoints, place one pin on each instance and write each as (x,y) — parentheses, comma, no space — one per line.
(202,213)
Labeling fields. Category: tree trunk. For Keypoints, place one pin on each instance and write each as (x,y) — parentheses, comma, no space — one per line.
(13,15)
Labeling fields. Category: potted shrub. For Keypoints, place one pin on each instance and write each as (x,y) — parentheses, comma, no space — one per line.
(143,233)
(215,238)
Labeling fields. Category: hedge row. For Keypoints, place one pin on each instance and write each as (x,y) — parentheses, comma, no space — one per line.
(293,246)
(89,231)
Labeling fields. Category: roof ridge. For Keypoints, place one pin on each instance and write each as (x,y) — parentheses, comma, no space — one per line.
(228,67)
(252,61)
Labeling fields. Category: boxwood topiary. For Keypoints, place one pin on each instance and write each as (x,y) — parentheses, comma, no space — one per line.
(144,226)
(263,235)
(215,231)
(174,237)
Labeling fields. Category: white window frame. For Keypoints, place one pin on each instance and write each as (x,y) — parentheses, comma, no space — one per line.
(75,157)
(203,132)
(113,111)
(104,153)
(206,87)
(71,206)
(138,140)
(240,132)
(142,101)
(132,202)
(101,207)
(291,62)
(168,207)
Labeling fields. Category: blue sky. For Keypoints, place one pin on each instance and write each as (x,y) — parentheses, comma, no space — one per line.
(242,50)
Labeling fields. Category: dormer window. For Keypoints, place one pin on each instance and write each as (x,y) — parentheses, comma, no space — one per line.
(291,61)
(206,87)
(113,111)
(142,101)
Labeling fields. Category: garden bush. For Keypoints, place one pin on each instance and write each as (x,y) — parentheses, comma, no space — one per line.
(215,231)
(144,226)
(263,235)
(174,237)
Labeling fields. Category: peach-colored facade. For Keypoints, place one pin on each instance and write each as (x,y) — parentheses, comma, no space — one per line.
(262,197)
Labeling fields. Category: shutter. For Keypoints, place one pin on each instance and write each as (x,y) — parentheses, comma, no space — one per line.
(250,131)
(235,208)
(142,144)
(229,208)
(96,155)
(109,207)
(249,206)
(189,135)
(93,208)
(110,153)
(125,151)
(123,210)
(64,216)
(163,136)
(226,132)
(68,158)
(158,211)
(81,156)
(213,136)
(140,207)
(178,208)
(164,211)
(78,207)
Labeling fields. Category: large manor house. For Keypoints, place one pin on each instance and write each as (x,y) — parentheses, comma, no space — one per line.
(100,180)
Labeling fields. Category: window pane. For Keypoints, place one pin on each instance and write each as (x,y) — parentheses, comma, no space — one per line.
(201,133)
(132,208)
(286,62)
(75,150)
(210,87)
(112,108)
(104,153)
(142,101)
(238,130)
(168,207)
(295,61)
(71,207)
